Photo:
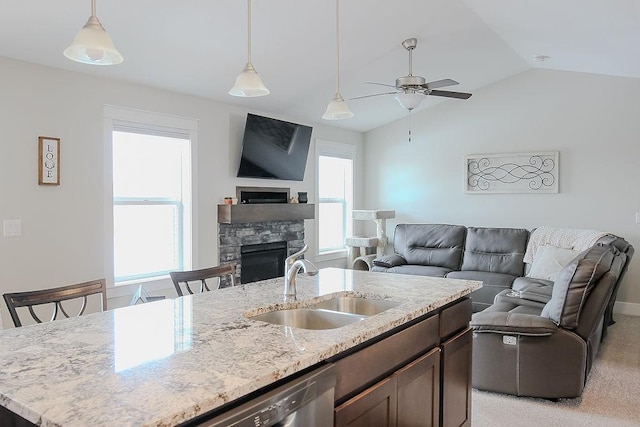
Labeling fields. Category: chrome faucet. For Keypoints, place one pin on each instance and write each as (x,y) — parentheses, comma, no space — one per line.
(292,265)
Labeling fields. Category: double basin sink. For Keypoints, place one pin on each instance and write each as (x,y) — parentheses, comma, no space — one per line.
(329,314)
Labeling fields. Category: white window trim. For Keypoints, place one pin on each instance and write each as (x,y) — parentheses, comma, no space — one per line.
(334,149)
(128,119)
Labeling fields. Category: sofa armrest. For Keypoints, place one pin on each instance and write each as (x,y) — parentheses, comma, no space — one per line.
(512,323)
(389,261)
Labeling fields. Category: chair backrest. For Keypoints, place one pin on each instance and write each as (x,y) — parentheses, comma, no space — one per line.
(56,296)
(439,245)
(180,278)
(495,250)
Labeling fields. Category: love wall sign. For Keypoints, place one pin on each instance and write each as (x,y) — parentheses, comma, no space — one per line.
(48,160)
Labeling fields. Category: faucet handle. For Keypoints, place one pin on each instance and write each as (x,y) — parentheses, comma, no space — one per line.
(291,258)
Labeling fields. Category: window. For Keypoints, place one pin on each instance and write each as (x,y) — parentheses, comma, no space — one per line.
(335,195)
(152,200)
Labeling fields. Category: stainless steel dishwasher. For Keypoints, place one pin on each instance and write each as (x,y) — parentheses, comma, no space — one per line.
(306,401)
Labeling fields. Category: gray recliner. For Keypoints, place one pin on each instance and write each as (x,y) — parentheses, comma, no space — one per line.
(531,344)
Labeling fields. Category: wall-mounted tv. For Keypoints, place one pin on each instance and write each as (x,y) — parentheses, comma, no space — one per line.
(274,149)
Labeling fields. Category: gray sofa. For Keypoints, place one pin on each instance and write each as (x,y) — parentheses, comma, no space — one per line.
(493,255)
(534,337)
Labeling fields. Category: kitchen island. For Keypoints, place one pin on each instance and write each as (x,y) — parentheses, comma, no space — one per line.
(167,362)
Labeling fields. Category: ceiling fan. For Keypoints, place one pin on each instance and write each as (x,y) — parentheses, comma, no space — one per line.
(410,90)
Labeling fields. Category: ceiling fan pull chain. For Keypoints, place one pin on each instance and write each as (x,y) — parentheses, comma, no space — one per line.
(410,114)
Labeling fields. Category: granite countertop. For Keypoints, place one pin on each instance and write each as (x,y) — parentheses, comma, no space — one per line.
(165,362)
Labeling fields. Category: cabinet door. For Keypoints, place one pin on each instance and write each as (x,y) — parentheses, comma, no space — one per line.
(376,406)
(456,380)
(419,392)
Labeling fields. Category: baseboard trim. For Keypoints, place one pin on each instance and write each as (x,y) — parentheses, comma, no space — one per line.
(630,308)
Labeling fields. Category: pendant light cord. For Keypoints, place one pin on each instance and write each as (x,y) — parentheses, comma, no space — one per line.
(249,30)
(93,7)
(337,46)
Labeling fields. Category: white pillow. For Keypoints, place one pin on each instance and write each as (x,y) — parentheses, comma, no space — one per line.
(549,260)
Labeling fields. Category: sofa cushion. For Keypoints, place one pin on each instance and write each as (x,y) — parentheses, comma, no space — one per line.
(549,260)
(526,282)
(533,289)
(437,245)
(495,250)
(419,270)
(389,261)
(492,284)
(574,283)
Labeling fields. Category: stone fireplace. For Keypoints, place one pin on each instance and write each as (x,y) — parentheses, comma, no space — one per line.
(271,226)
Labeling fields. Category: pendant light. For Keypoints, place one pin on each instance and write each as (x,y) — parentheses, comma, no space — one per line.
(92,44)
(248,83)
(337,108)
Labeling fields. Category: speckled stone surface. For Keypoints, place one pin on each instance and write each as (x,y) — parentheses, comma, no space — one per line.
(165,362)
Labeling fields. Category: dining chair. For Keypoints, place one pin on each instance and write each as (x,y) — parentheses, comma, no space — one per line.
(55,296)
(181,279)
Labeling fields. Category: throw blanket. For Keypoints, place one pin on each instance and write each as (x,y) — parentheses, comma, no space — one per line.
(567,238)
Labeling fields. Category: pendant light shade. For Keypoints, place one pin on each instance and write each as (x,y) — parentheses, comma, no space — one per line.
(409,100)
(248,83)
(92,44)
(337,108)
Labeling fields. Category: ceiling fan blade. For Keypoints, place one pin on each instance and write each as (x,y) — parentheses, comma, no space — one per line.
(449,94)
(441,83)
(379,84)
(375,94)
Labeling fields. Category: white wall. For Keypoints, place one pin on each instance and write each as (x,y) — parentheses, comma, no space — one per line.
(591,120)
(63,239)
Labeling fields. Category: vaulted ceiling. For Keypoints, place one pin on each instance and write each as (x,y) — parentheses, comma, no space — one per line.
(197,47)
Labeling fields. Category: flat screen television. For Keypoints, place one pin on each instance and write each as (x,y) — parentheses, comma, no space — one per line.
(274,149)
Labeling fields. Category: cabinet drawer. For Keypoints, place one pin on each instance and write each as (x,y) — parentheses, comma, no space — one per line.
(455,318)
(361,369)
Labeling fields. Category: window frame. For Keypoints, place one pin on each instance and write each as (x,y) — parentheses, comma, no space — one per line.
(342,151)
(150,123)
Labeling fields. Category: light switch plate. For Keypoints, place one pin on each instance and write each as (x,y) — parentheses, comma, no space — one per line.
(637,217)
(12,227)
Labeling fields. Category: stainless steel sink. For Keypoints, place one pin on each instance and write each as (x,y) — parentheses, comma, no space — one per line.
(309,318)
(356,305)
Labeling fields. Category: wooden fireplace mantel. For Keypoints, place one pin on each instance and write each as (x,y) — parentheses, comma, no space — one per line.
(234,214)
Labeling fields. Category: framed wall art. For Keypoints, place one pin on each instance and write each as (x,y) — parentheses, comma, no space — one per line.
(535,172)
(48,160)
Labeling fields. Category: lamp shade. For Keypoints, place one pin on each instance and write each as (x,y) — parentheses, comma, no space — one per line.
(92,45)
(409,100)
(337,109)
(249,84)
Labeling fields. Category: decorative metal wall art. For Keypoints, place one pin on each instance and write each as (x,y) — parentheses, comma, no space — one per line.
(535,172)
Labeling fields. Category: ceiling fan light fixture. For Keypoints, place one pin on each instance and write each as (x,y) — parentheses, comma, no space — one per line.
(249,84)
(92,45)
(409,100)
(337,109)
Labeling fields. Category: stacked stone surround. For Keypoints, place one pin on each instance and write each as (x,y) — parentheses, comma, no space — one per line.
(232,236)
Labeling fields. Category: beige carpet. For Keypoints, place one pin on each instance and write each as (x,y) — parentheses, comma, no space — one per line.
(611,396)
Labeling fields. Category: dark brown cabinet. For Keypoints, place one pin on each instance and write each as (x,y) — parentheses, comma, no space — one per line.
(408,398)
(456,380)
(418,376)
(376,406)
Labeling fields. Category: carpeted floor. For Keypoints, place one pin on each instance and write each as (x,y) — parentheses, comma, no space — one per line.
(611,396)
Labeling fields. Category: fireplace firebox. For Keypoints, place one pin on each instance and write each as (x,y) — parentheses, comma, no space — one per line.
(262,261)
